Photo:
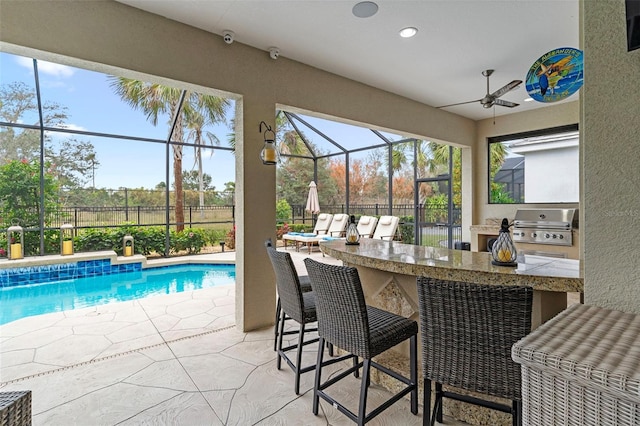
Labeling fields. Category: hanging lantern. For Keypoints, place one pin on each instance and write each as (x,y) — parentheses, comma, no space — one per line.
(353,236)
(15,242)
(127,245)
(504,253)
(66,239)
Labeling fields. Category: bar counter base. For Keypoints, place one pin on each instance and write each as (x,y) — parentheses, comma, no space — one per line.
(398,294)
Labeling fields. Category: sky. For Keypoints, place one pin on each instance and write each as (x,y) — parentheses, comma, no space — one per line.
(92,105)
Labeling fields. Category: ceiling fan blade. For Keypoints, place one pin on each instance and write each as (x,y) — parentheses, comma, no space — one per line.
(459,103)
(505,103)
(506,88)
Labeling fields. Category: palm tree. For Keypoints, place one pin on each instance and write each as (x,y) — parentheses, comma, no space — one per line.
(155,99)
(196,122)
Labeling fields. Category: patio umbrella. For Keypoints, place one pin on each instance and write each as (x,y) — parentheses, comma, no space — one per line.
(313,204)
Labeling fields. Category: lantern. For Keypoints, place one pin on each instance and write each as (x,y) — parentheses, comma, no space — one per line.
(66,239)
(127,245)
(15,242)
(504,253)
(353,236)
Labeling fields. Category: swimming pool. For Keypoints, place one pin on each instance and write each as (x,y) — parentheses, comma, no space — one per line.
(35,299)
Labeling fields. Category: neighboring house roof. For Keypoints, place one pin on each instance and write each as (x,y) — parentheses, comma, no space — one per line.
(544,143)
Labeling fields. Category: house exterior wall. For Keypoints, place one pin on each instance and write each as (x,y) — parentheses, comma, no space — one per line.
(552,176)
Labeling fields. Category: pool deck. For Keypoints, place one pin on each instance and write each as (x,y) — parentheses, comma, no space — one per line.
(171,359)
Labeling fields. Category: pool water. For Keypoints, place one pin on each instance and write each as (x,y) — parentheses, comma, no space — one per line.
(35,299)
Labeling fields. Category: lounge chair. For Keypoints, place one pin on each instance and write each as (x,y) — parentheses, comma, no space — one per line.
(387,227)
(366,226)
(322,226)
(337,229)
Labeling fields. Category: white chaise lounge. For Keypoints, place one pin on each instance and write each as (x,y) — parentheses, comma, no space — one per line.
(337,229)
(387,227)
(366,226)
(322,226)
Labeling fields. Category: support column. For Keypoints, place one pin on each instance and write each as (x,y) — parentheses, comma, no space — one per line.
(255,217)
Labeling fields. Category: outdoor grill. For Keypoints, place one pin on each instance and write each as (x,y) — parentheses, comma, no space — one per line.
(545,226)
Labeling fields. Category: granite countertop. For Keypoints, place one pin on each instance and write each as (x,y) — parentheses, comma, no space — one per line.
(541,273)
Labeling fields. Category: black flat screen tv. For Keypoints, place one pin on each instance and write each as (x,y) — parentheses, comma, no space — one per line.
(633,24)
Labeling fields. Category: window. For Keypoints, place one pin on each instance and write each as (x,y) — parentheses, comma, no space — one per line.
(535,167)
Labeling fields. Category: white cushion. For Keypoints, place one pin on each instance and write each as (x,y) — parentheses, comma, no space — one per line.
(338,218)
(364,220)
(323,216)
(385,220)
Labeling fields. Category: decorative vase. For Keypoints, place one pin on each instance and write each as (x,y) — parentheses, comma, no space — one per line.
(353,237)
(504,253)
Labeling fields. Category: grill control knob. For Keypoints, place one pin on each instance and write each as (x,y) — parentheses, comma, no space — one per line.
(534,235)
(547,235)
(561,237)
(554,236)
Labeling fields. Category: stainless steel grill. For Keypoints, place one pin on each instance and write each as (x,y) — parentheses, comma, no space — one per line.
(545,226)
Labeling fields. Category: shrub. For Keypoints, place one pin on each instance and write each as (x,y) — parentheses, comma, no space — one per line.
(230,240)
(406,231)
(283,210)
(189,240)
(281,230)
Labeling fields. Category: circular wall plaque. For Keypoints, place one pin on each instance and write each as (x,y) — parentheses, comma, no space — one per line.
(556,75)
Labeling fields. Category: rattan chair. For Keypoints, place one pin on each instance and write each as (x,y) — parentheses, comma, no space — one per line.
(363,331)
(467,334)
(305,286)
(15,408)
(296,305)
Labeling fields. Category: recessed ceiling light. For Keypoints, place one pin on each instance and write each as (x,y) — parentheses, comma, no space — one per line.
(408,32)
(365,9)
(528,100)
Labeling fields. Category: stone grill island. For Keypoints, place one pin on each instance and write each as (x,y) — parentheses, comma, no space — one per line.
(388,271)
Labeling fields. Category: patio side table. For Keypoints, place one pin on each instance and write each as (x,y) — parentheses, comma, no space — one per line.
(15,408)
(581,368)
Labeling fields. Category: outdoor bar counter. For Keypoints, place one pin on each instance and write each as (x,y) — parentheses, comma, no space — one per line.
(388,271)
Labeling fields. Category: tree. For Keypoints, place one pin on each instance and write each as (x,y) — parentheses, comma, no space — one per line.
(366,182)
(195,181)
(70,159)
(196,123)
(155,99)
(498,191)
(20,200)
(73,162)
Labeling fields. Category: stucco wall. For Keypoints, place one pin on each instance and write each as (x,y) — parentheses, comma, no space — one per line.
(611,157)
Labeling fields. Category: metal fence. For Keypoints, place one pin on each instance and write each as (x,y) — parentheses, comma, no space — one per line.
(100,217)
(433,232)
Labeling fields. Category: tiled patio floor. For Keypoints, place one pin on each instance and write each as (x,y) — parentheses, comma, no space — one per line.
(166,360)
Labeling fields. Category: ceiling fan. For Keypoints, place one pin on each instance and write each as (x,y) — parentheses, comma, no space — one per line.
(491,99)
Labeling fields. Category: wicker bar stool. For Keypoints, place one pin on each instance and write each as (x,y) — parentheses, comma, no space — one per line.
(467,334)
(297,305)
(345,321)
(305,286)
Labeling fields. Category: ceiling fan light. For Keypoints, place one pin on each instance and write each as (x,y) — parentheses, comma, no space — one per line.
(408,32)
